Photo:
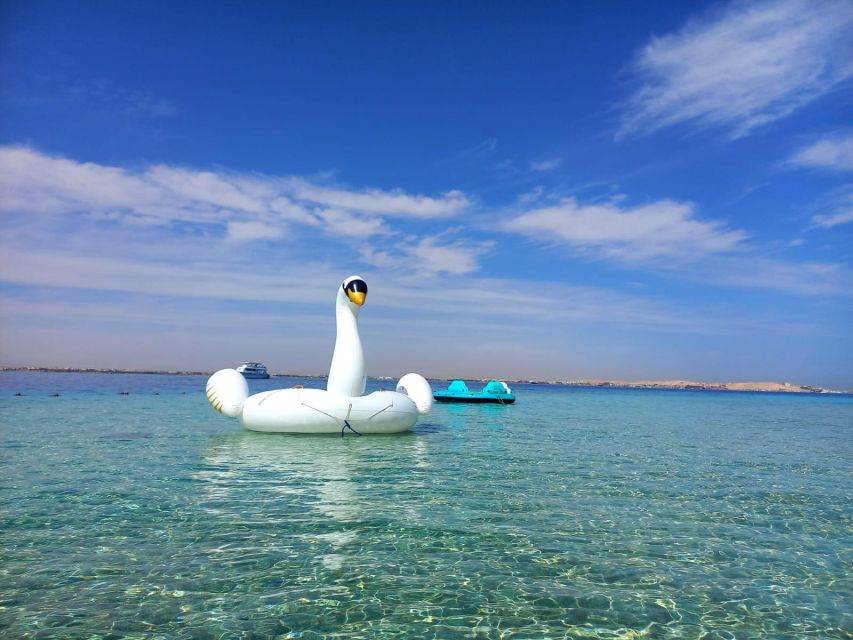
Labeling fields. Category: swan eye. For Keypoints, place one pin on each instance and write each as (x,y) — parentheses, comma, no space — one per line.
(356,291)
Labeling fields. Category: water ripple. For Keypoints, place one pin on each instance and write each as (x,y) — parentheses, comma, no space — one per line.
(573,514)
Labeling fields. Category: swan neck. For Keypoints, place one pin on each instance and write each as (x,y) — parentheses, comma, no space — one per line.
(346,374)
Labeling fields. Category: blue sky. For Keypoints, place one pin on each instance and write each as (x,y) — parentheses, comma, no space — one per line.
(531,190)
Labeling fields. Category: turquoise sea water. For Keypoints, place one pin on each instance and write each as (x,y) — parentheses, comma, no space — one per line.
(576,513)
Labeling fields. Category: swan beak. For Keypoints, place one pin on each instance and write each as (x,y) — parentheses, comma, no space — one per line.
(356,290)
(357,297)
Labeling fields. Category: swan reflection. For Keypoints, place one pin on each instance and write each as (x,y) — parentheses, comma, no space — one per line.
(321,489)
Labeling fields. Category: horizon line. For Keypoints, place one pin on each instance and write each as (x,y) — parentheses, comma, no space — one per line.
(677,384)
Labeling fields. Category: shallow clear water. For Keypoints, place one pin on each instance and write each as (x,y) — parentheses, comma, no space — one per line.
(576,513)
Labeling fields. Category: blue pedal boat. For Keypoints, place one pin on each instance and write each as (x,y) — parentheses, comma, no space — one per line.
(495,391)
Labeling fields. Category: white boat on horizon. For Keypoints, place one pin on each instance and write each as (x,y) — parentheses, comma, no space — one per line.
(255,370)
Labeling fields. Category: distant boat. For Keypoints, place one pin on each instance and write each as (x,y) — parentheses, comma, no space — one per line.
(495,391)
(253,370)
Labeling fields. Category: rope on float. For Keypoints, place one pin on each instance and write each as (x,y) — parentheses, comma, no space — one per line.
(346,426)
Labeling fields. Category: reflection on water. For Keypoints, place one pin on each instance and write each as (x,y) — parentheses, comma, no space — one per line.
(272,476)
(490,416)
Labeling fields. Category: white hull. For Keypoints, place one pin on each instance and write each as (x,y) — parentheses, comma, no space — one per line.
(253,370)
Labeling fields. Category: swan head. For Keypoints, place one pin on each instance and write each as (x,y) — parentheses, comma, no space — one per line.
(354,291)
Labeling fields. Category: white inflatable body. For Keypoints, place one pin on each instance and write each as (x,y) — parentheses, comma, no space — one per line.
(318,411)
(342,406)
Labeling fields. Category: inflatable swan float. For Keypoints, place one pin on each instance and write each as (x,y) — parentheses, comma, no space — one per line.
(343,404)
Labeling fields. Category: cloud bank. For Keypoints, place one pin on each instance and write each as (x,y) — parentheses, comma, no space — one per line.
(37,182)
(223,206)
(202,233)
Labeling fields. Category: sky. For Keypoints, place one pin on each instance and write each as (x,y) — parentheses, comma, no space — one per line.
(531,190)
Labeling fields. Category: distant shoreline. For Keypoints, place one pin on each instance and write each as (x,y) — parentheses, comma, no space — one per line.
(683,385)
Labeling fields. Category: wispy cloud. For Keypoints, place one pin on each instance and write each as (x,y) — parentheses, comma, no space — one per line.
(835,208)
(743,66)
(758,272)
(187,275)
(485,148)
(663,229)
(834,153)
(453,258)
(543,166)
(353,225)
(198,285)
(833,220)
(251,231)
(104,93)
(429,255)
(383,202)
(528,198)
(101,96)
